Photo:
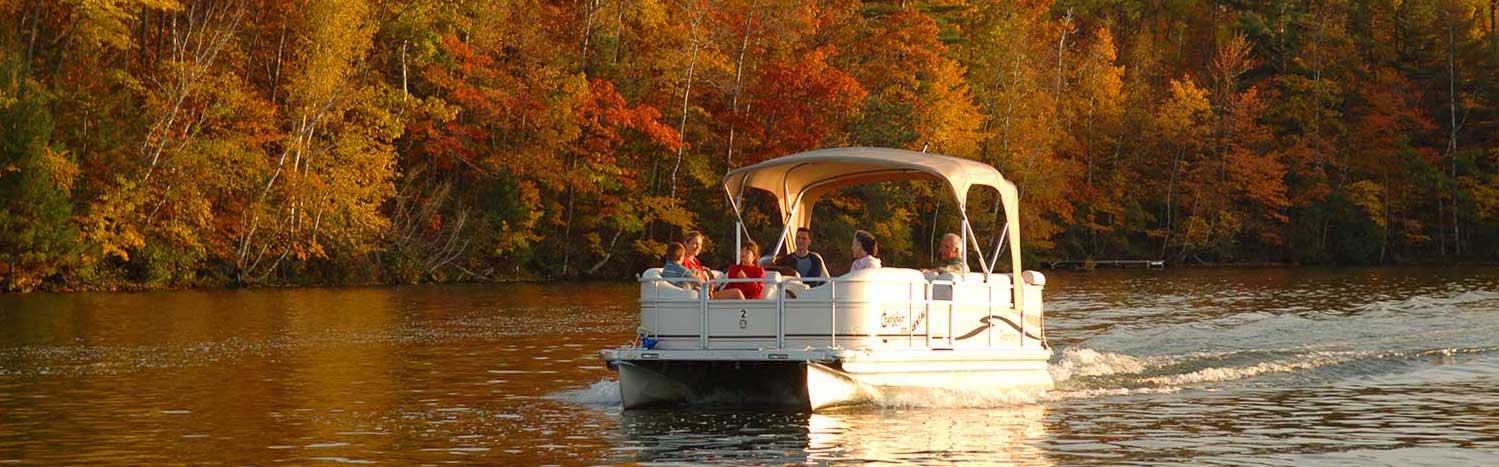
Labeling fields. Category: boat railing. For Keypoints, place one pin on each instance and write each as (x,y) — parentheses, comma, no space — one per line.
(919,309)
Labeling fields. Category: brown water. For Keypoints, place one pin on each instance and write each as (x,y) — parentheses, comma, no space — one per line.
(1268,366)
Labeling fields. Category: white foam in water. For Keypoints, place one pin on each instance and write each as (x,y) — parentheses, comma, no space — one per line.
(604,392)
(1300,362)
(1077,361)
(1061,395)
(941,398)
(1088,362)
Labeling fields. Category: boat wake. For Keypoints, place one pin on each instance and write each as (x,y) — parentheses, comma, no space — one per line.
(603,393)
(1077,361)
(1083,373)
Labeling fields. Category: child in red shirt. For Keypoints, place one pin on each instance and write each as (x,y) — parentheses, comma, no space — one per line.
(748,269)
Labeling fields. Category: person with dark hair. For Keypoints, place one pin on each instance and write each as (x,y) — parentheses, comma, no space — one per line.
(673,269)
(747,269)
(804,261)
(866,251)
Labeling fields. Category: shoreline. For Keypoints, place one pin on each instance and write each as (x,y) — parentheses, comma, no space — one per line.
(127,288)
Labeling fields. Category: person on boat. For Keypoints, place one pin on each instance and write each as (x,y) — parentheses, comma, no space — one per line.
(950,256)
(673,268)
(747,269)
(806,263)
(866,251)
(694,244)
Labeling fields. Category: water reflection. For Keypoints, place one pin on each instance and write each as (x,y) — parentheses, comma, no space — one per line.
(1000,435)
(1004,435)
(1273,366)
(405,375)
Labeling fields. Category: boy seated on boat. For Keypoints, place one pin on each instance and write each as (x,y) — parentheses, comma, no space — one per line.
(676,255)
(673,269)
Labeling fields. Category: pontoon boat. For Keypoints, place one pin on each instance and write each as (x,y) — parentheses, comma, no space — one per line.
(866,336)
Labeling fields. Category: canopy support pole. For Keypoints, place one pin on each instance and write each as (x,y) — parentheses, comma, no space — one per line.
(963,230)
(971,237)
(739,230)
(734,202)
(791,217)
(999,245)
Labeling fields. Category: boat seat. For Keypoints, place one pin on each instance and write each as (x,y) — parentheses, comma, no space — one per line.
(968,277)
(771,279)
(795,289)
(865,284)
(942,291)
(1033,278)
(652,288)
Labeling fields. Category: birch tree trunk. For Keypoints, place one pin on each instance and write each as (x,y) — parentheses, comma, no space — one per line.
(749,19)
(697,19)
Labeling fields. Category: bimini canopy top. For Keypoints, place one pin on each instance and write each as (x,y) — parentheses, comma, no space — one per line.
(799,180)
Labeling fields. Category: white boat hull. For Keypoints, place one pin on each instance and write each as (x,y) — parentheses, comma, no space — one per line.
(815,380)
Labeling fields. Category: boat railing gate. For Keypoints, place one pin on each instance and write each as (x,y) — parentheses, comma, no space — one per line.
(704,297)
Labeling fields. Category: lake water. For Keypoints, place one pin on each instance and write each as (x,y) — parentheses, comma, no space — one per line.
(1374,366)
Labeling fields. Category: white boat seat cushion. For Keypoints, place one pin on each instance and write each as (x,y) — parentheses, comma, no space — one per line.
(771,279)
(796,289)
(1033,278)
(943,291)
(652,288)
(871,284)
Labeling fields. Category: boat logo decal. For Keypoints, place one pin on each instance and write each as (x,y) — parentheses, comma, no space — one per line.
(988,321)
(892,319)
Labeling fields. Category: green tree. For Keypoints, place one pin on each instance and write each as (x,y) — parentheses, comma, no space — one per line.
(37,234)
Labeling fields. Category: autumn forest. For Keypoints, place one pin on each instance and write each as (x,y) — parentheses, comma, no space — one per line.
(184,143)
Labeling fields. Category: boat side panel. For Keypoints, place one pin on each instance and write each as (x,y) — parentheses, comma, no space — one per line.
(675,324)
(713,383)
(742,324)
(969,314)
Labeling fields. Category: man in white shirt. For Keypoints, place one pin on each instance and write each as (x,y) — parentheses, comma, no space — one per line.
(866,251)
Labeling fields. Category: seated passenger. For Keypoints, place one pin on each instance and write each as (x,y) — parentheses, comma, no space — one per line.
(694,244)
(866,251)
(950,256)
(804,261)
(673,268)
(728,294)
(747,269)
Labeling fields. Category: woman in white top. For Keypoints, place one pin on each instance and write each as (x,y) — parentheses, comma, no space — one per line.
(865,249)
